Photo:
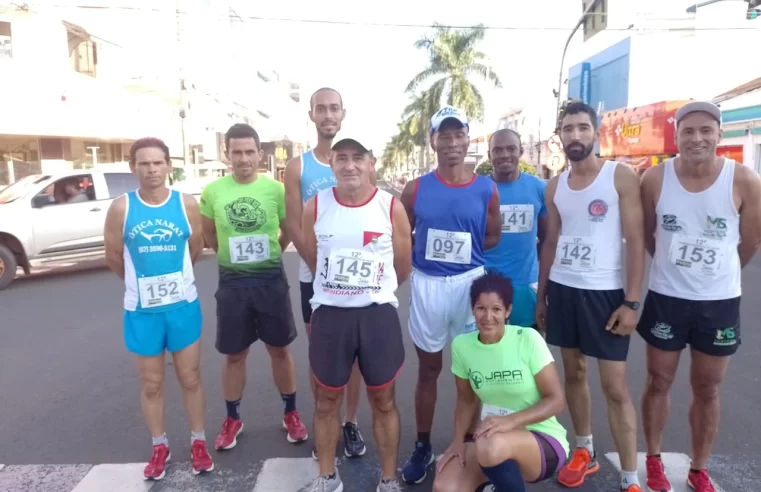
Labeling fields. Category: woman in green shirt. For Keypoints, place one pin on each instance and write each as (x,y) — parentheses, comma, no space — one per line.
(507,374)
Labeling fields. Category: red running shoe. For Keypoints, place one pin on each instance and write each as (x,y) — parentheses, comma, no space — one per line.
(656,475)
(156,468)
(199,455)
(700,481)
(297,431)
(228,436)
(574,472)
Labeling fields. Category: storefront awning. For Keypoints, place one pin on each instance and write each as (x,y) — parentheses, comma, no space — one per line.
(642,131)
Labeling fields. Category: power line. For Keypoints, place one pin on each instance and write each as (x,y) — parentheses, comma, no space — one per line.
(412,25)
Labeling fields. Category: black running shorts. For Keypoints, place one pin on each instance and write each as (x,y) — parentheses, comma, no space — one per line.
(371,335)
(307,292)
(576,318)
(711,327)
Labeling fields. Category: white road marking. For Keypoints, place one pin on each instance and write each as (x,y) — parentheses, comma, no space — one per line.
(677,467)
(286,474)
(124,478)
(41,478)
(1,467)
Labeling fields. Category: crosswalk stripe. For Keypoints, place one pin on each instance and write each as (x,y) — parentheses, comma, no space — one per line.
(124,478)
(41,478)
(286,474)
(677,467)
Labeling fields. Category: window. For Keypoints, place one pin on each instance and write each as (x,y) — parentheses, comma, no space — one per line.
(71,189)
(6,47)
(83,54)
(597,19)
(120,183)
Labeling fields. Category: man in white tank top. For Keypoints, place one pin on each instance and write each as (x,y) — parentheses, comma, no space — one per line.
(358,246)
(702,216)
(581,303)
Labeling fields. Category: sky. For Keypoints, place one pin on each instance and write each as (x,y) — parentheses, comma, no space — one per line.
(372,65)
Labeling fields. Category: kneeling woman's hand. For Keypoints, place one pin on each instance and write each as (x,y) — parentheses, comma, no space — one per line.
(493,425)
(455,450)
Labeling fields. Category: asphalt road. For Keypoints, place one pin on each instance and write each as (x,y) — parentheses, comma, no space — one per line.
(70,397)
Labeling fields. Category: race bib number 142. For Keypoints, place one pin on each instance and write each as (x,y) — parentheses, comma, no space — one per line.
(576,253)
(448,246)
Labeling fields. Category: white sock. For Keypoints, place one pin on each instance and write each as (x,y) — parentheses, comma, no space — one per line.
(586,443)
(160,440)
(197,436)
(628,479)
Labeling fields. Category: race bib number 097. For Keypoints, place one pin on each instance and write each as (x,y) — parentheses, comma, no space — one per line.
(698,254)
(161,290)
(448,246)
(517,218)
(249,249)
(577,253)
(354,267)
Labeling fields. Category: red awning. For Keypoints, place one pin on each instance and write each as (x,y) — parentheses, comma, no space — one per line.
(642,131)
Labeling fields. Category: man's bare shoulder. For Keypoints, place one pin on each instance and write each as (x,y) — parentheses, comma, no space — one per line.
(293,166)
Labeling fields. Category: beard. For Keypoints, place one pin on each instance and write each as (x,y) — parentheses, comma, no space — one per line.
(577,152)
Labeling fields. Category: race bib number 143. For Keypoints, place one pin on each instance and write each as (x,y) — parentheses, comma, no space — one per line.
(448,246)
(249,249)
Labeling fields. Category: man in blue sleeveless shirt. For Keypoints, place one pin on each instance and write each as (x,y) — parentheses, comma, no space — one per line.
(305,176)
(455,215)
(524,223)
(153,238)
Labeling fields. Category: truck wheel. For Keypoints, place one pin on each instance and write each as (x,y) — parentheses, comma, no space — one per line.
(7,266)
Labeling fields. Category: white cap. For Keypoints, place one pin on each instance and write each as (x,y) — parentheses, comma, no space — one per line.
(446,113)
(698,107)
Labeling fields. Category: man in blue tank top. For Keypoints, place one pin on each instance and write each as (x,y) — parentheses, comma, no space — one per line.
(153,238)
(455,215)
(524,223)
(305,176)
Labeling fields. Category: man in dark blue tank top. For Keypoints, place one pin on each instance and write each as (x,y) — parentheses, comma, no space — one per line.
(455,215)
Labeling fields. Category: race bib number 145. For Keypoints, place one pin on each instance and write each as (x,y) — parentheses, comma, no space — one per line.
(448,246)
(354,267)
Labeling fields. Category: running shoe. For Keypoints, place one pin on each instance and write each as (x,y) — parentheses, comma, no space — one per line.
(200,458)
(228,436)
(156,467)
(389,486)
(297,431)
(581,464)
(656,475)
(325,484)
(416,468)
(354,445)
(700,481)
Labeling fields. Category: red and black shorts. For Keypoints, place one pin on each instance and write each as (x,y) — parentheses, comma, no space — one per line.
(371,335)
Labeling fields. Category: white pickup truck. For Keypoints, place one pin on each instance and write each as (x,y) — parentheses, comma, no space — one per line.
(56,216)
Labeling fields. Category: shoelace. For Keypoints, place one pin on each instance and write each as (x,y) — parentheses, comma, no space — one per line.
(702,481)
(579,461)
(419,454)
(353,433)
(392,486)
(156,459)
(320,485)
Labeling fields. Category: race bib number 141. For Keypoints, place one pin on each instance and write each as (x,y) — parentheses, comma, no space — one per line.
(448,246)
(517,218)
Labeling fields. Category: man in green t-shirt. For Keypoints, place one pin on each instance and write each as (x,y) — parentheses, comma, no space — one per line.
(244,222)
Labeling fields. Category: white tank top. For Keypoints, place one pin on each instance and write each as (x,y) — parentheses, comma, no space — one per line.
(696,238)
(588,255)
(355,255)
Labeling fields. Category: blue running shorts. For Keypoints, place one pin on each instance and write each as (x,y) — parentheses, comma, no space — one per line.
(149,334)
(524,306)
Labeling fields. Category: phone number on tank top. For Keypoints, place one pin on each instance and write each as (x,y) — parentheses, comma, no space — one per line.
(576,252)
(161,290)
(448,246)
(696,254)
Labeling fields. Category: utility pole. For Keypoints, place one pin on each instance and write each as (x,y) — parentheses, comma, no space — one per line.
(183,91)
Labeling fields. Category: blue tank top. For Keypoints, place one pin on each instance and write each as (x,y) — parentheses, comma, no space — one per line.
(315,176)
(450,225)
(158,272)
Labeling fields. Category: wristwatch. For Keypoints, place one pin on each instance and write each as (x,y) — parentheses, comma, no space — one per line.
(633,305)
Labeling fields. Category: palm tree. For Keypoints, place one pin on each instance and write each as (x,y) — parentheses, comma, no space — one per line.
(454,62)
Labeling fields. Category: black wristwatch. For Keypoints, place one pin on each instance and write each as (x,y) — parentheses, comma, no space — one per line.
(633,305)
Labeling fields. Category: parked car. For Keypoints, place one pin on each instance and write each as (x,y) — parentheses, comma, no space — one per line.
(57,216)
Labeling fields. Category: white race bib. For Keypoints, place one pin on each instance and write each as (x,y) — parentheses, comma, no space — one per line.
(354,267)
(576,252)
(697,254)
(517,218)
(161,290)
(448,247)
(494,411)
(249,249)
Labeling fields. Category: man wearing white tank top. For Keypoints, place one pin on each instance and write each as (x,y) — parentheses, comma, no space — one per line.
(702,225)
(358,246)
(581,303)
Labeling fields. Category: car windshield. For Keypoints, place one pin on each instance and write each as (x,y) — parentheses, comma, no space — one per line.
(21,187)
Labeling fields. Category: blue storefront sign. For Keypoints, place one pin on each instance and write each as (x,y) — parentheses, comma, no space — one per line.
(586,83)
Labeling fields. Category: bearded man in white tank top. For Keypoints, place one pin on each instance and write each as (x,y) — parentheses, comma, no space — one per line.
(702,226)
(358,246)
(581,303)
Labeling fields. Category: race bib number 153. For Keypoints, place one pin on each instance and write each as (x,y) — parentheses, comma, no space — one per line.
(698,254)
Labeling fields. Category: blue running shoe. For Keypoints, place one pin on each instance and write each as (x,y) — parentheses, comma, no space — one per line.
(416,469)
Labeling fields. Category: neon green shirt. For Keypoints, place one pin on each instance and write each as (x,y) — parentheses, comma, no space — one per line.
(502,374)
(247,218)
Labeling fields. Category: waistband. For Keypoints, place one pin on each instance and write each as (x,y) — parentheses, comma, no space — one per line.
(469,275)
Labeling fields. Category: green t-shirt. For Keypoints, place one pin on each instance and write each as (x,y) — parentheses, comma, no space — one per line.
(502,374)
(247,218)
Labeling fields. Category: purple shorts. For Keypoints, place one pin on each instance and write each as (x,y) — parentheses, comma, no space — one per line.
(553,455)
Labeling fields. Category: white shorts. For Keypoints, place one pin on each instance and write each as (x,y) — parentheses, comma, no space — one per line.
(305,274)
(440,308)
